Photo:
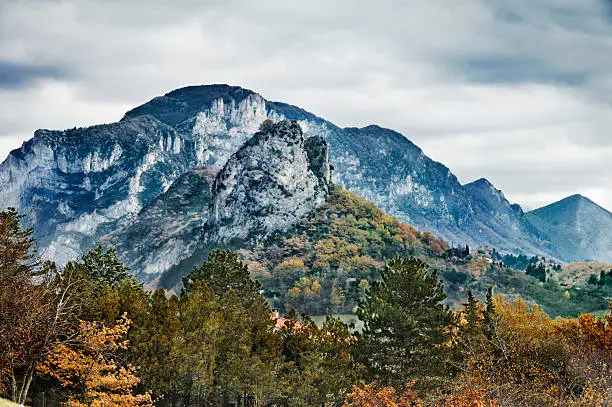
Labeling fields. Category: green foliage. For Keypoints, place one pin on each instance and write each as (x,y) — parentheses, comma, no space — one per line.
(343,242)
(489,319)
(223,271)
(319,367)
(406,325)
(472,315)
(537,270)
(105,266)
(18,261)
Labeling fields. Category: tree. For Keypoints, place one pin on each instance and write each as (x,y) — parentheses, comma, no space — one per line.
(521,361)
(319,367)
(195,348)
(489,321)
(537,270)
(90,370)
(153,347)
(247,353)
(478,266)
(224,271)
(18,260)
(405,323)
(105,266)
(34,310)
(95,282)
(472,316)
(372,395)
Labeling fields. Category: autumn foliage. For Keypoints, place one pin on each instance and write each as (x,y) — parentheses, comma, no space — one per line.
(90,370)
(372,395)
(89,334)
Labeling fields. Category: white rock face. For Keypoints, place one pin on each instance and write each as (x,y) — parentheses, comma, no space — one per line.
(271,183)
(83,178)
(221,129)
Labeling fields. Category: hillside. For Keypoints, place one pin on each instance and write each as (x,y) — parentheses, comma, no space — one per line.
(324,264)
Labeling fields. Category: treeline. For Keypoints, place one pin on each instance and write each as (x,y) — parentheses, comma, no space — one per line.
(88,334)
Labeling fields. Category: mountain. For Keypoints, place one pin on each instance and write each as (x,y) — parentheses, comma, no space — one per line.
(576,228)
(129,175)
(76,180)
(273,181)
(377,164)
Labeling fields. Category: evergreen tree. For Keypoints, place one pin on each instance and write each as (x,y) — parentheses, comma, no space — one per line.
(105,266)
(489,321)
(319,367)
(18,261)
(154,347)
(224,271)
(405,323)
(248,352)
(472,315)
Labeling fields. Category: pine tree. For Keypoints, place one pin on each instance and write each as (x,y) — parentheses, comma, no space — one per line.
(18,261)
(405,323)
(105,266)
(223,271)
(472,314)
(247,352)
(489,321)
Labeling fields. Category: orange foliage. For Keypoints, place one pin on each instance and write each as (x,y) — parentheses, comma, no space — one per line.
(469,398)
(89,368)
(370,395)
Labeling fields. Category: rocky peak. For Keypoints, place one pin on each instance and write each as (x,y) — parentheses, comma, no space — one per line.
(275,179)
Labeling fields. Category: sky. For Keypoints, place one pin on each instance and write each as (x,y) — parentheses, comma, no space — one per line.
(515,91)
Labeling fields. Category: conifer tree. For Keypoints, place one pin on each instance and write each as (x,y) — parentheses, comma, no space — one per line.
(472,315)
(490,319)
(224,271)
(405,323)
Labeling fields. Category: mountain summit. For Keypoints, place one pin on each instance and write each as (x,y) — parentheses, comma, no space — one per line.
(577,228)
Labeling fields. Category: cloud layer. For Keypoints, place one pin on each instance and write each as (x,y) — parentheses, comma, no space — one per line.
(517,91)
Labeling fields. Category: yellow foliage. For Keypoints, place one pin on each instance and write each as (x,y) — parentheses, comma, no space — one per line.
(478,266)
(90,368)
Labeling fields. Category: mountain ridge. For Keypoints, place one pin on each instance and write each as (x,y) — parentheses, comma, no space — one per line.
(199,126)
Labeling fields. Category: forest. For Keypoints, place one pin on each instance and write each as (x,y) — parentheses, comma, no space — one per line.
(87,333)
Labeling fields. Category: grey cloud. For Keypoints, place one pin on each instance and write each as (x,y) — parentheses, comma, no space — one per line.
(14,75)
(483,85)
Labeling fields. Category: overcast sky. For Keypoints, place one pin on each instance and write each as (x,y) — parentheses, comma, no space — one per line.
(516,91)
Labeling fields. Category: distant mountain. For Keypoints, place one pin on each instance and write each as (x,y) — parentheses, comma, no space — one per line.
(131,174)
(576,229)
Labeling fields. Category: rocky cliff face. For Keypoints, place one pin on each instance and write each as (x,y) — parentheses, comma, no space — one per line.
(77,180)
(89,181)
(273,181)
(270,183)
